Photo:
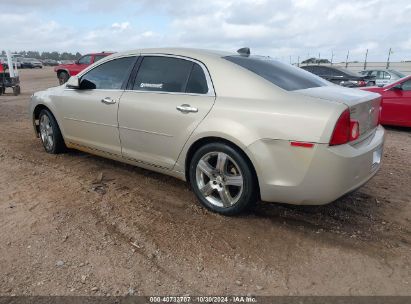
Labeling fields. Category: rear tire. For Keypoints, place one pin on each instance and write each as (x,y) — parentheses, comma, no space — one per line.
(16,90)
(63,77)
(50,133)
(222,179)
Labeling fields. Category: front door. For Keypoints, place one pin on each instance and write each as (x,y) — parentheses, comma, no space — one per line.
(168,99)
(396,104)
(90,113)
(80,64)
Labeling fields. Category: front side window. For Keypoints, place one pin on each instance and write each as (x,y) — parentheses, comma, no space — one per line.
(85,60)
(406,85)
(387,75)
(282,75)
(109,75)
(164,74)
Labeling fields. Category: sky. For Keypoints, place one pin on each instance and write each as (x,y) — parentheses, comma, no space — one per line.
(284,30)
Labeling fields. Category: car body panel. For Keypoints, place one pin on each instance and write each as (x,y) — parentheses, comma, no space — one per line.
(261,119)
(150,141)
(395,104)
(88,121)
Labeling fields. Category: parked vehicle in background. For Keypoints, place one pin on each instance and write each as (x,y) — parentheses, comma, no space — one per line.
(64,71)
(395,102)
(31,63)
(340,76)
(9,77)
(66,61)
(4,62)
(383,77)
(232,124)
(50,62)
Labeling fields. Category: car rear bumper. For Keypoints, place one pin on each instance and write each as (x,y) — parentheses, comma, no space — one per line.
(314,176)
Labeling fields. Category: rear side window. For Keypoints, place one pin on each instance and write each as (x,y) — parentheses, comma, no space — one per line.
(164,74)
(109,75)
(197,82)
(282,75)
(98,57)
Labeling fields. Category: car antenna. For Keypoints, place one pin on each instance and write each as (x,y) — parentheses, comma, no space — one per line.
(245,51)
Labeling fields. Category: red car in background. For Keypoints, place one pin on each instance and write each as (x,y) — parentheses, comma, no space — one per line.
(64,71)
(395,102)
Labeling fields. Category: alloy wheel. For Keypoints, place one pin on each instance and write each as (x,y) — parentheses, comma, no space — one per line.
(219,179)
(46,132)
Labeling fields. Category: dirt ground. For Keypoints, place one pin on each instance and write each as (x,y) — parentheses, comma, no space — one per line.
(77,224)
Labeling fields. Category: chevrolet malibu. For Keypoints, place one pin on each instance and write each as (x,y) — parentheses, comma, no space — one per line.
(238,127)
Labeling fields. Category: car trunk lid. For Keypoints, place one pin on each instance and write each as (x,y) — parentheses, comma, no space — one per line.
(364,106)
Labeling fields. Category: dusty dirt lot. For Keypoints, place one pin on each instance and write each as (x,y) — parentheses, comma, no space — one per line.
(144,233)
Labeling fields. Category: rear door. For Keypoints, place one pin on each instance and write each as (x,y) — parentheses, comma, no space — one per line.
(161,108)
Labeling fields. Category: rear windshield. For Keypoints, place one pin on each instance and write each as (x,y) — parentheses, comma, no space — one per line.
(348,72)
(285,76)
(398,74)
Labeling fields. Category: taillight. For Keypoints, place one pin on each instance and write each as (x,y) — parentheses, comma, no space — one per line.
(345,130)
(362,83)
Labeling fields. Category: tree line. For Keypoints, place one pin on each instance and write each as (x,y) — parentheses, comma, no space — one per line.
(47,55)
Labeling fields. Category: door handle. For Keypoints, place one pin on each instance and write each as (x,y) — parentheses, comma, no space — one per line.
(186,108)
(108,100)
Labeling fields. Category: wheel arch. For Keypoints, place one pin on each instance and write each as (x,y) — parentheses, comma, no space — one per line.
(215,139)
(36,115)
(62,70)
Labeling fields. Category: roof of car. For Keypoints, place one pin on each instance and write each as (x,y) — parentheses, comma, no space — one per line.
(185,52)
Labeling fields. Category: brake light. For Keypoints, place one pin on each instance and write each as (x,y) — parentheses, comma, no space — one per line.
(362,83)
(345,130)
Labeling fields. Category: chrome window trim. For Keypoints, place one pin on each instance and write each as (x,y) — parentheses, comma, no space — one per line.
(210,85)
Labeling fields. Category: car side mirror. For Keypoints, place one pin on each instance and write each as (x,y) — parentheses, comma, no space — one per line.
(73,83)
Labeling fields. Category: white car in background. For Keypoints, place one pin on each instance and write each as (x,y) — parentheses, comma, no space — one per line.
(383,77)
(237,127)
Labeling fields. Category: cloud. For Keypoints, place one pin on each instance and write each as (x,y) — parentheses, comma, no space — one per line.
(276,28)
(120,26)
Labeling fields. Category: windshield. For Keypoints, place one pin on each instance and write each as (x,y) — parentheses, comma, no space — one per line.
(285,76)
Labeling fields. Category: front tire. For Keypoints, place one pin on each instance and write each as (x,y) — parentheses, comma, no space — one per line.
(50,133)
(222,179)
(63,77)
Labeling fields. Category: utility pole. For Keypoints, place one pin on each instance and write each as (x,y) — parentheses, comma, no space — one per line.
(298,61)
(346,59)
(332,57)
(319,58)
(388,60)
(365,61)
